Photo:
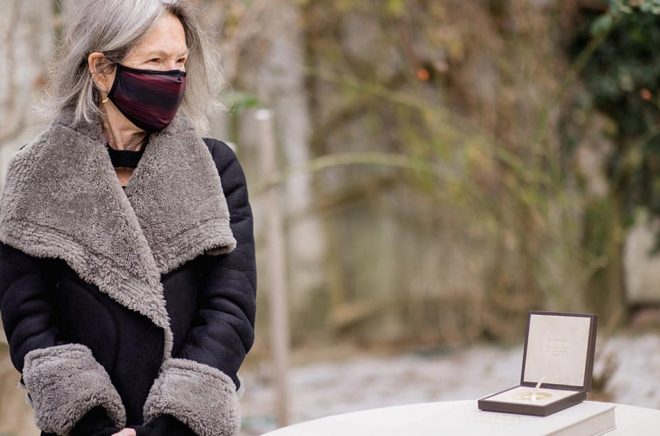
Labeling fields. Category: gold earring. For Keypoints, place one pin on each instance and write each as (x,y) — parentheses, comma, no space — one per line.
(105,100)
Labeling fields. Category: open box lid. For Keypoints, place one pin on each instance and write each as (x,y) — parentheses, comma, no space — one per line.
(559,350)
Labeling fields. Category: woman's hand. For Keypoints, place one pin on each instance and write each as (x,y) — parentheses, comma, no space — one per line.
(126,432)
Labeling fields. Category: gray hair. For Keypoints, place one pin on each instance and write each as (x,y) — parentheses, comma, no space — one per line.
(113,27)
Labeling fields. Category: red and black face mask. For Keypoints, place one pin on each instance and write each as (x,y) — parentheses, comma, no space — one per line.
(148,98)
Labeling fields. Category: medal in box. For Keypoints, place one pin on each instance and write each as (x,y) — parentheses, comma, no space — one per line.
(557,367)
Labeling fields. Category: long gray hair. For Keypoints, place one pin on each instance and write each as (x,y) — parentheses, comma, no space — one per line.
(113,27)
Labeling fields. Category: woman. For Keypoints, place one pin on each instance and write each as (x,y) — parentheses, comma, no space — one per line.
(127,270)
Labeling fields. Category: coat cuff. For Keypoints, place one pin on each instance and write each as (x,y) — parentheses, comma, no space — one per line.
(200,396)
(65,382)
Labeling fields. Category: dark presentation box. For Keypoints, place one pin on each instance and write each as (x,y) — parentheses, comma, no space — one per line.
(557,366)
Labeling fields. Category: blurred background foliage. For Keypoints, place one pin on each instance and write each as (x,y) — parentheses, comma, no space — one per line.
(528,133)
(446,166)
(620,80)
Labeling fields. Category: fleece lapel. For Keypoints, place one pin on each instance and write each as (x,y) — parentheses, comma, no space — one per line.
(177,195)
(62,199)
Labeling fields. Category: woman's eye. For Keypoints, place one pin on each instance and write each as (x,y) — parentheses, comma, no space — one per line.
(154,60)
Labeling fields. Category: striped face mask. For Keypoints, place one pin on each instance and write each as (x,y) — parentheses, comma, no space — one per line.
(148,98)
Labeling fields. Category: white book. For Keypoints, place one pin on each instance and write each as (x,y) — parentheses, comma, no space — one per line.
(584,419)
(460,418)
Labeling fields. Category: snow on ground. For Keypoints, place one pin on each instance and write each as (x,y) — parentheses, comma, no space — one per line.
(636,379)
(367,381)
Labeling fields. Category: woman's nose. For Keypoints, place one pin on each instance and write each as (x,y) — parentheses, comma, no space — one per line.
(171,65)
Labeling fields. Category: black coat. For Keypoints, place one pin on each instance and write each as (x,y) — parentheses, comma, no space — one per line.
(52,312)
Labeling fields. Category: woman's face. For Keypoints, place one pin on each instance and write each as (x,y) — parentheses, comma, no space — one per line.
(162,48)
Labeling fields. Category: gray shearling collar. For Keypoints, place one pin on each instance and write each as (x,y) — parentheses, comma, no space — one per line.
(62,199)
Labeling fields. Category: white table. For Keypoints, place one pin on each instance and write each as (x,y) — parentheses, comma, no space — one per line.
(444,418)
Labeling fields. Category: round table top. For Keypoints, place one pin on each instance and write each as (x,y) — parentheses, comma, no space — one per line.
(464,418)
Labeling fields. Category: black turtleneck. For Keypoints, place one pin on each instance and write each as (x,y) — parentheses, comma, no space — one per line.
(125,158)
